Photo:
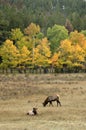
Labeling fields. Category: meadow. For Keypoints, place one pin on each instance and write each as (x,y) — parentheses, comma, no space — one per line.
(21,92)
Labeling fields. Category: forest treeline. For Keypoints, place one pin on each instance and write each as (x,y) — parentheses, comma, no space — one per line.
(45,13)
(43,34)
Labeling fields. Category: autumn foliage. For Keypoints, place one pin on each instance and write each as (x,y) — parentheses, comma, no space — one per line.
(29,49)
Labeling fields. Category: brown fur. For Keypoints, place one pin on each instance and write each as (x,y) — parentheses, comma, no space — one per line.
(51,99)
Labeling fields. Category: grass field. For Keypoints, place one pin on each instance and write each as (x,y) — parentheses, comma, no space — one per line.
(20,93)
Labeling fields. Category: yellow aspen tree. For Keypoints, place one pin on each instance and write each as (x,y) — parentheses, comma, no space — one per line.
(79,42)
(73,49)
(77,38)
(42,53)
(78,54)
(31,31)
(9,53)
(65,52)
(24,56)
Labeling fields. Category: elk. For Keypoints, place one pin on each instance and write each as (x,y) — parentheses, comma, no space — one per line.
(32,112)
(51,99)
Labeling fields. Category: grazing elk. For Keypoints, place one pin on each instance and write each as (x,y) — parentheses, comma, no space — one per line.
(32,112)
(50,99)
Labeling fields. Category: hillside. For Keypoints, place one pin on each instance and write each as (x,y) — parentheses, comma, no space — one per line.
(46,13)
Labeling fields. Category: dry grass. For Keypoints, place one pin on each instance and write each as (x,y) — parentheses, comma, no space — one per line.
(19,93)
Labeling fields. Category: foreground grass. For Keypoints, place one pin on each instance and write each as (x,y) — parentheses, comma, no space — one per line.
(31,91)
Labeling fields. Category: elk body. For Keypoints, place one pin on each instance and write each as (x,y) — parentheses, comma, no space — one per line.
(51,99)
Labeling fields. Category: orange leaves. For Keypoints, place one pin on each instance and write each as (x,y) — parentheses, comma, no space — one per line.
(73,50)
(78,53)
(79,45)
(29,49)
(77,38)
(54,59)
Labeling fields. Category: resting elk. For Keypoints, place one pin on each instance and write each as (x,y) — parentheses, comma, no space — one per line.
(32,112)
(51,99)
